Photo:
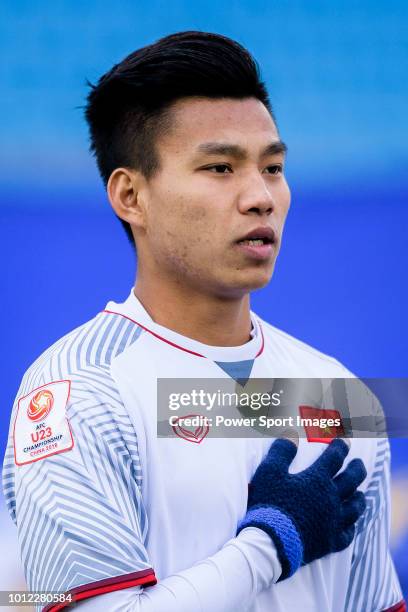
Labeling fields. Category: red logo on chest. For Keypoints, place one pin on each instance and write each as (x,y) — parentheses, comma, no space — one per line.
(191,427)
(321,425)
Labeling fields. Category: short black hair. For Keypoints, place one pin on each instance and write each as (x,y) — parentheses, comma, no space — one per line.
(128,107)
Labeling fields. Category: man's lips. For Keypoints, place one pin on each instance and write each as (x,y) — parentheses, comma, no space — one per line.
(264,233)
(259,252)
(258,243)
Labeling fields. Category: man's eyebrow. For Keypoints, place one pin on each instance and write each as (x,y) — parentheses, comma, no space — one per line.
(220,148)
(276,147)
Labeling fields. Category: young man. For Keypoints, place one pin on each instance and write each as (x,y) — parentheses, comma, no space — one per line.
(188,148)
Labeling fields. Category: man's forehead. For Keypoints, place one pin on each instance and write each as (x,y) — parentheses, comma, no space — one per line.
(198,123)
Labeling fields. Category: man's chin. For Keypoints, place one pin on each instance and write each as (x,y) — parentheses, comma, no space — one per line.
(257,278)
(259,283)
(246,282)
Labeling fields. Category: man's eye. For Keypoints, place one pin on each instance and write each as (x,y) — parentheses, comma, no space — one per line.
(219,168)
(275,169)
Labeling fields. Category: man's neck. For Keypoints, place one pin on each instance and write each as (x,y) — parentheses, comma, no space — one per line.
(207,319)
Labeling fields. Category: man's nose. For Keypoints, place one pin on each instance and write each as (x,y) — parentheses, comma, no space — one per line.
(255,196)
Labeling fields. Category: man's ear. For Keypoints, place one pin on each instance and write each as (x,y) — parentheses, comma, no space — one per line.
(124,193)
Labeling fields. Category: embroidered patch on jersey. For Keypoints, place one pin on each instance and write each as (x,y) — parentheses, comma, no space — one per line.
(41,428)
(322,425)
(199,427)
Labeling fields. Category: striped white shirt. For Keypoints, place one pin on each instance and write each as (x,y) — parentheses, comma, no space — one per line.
(103,504)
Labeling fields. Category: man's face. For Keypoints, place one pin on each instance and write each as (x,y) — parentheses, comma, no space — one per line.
(220,179)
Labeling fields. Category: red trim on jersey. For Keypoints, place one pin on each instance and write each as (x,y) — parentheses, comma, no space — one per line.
(154,334)
(108,585)
(182,348)
(263,342)
(398,607)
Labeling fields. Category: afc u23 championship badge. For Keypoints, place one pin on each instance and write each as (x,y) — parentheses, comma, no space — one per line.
(41,427)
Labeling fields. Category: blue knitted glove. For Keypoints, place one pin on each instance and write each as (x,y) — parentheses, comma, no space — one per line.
(308,514)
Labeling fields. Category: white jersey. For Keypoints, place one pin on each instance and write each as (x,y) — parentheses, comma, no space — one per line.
(102,503)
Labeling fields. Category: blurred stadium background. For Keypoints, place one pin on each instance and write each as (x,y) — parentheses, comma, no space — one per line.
(337,75)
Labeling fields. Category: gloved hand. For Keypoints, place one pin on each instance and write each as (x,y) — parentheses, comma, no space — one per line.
(308,514)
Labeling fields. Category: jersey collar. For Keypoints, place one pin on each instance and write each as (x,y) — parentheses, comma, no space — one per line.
(133,310)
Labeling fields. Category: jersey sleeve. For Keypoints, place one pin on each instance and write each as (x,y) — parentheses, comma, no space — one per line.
(80,516)
(373,584)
